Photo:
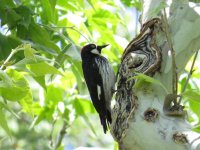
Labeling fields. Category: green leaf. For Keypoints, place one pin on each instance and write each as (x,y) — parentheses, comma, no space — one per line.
(66,114)
(6,3)
(106,15)
(27,104)
(19,89)
(6,44)
(3,122)
(192,95)
(78,108)
(42,68)
(41,81)
(41,37)
(54,94)
(143,77)
(194,100)
(91,4)
(5,80)
(21,65)
(26,15)
(17,93)
(116,146)
(38,119)
(61,57)
(130,3)
(70,5)
(61,147)
(82,107)
(47,11)
(12,18)
(29,52)
(194,106)
(45,114)
(196,128)
(38,33)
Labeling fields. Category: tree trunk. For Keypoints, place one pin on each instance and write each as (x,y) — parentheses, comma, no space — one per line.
(139,122)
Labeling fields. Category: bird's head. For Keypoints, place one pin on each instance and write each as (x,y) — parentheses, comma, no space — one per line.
(91,50)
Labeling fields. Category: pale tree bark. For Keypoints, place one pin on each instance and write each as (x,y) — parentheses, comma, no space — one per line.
(139,122)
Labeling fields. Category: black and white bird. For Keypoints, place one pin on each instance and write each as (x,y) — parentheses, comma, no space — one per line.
(100,80)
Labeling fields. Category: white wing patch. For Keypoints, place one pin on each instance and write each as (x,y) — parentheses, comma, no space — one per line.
(95,51)
(99,91)
(108,78)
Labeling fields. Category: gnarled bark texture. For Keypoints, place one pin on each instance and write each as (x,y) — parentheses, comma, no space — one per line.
(139,122)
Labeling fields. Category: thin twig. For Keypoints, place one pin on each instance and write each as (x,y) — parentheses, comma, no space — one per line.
(13,51)
(53,29)
(61,135)
(72,28)
(174,67)
(189,75)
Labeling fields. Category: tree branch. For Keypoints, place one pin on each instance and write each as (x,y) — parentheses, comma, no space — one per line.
(61,135)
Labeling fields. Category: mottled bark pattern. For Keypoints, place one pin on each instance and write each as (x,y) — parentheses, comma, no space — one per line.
(143,56)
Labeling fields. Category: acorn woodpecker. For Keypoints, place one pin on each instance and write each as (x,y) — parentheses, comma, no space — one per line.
(100,80)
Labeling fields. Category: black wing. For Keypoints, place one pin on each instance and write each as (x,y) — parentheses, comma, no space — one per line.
(95,86)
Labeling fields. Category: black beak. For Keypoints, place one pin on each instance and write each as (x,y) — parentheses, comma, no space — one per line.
(101,47)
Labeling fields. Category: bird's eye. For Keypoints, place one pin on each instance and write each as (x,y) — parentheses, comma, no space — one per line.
(93,46)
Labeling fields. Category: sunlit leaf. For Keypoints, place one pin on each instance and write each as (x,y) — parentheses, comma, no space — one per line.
(47,10)
(83,107)
(41,81)
(21,65)
(27,104)
(61,147)
(42,68)
(148,79)
(66,114)
(136,3)
(192,95)
(196,128)
(54,94)
(19,89)
(116,146)
(29,52)
(44,114)
(193,98)
(108,17)
(194,106)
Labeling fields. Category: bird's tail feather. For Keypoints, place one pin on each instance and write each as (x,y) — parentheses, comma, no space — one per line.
(103,123)
(106,120)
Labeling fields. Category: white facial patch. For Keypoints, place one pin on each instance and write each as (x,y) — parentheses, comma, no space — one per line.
(99,91)
(95,51)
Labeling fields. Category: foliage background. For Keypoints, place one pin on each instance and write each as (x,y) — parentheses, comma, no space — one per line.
(42,89)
